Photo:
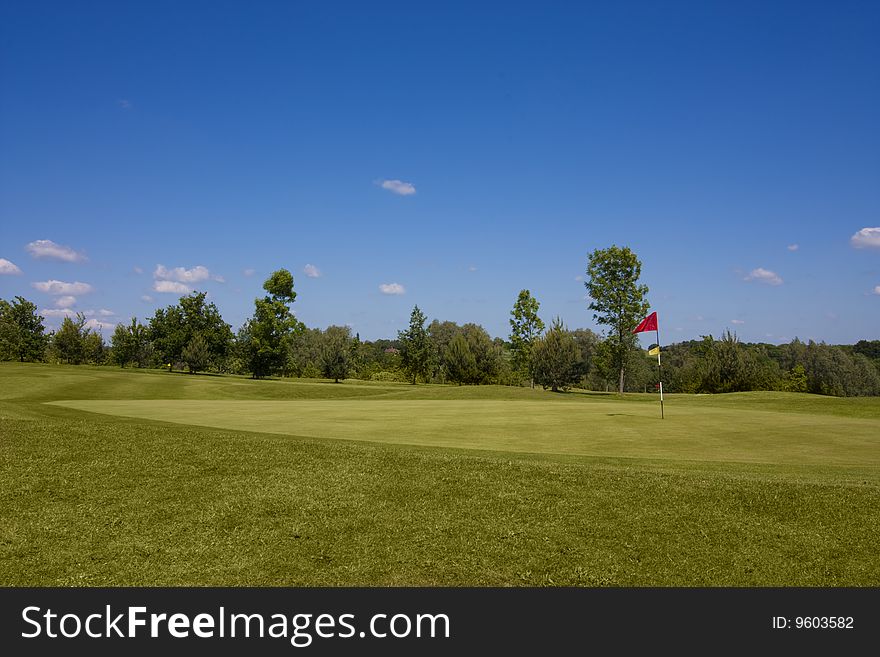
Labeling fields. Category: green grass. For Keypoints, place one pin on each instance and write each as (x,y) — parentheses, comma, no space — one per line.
(151,478)
(582,426)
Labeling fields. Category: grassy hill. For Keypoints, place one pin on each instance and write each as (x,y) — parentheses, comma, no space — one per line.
(117,477)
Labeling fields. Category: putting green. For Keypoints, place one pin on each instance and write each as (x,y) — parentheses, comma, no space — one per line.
(612,428)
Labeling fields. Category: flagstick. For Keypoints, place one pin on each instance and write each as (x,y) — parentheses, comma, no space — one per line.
(660,372)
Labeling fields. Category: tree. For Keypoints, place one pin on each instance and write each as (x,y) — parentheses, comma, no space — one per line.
(202,318)
(737,367)
(416,349)
(304,350)
(870,349)
(833,371)
(336,352)
(22,334)
(131,344)
(121,344)
(441,335)
(525,328)
(93,347)
(196,353)
(174,327)
(487,354)
(718,366)
(168,334)
(460,365)
(556,358)
(357,354)
(69,340)
(795,379)
(587,342)
(619,302)
(263,340)
(279,285)
(140,338)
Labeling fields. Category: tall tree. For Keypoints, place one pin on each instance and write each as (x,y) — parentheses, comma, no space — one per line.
(619,301)
(93,347)
(556,358)
(174,327)
(357,354)
(417,352)
(168,334)
(441,334)
(69,340)
(121,344)
(525,328)
(587,341)
(304,351)
(22,334)
(336,351)
(460,364)
(263,340)
(202,318)
(131,344)
(487,354)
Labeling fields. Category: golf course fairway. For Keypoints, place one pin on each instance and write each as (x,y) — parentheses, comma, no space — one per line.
(583,426)
(118,477)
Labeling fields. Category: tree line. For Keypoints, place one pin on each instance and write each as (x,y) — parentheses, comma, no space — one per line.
(192,336)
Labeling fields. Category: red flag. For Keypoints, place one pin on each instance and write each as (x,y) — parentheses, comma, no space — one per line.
(647,324)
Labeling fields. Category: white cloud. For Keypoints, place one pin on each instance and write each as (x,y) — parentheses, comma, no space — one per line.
(94,324)
(877,289)
(392,288)
(764,276)
(182,275)
(58,288)
(103,312)
(58,312)
(866,238)
(472,268)
(49,249)
(97,325)
(793,247)
(311,271)
(398,187)
(248,272)
(124,103)
(579,278)
(9,267)
(65,302)
(146,298)
(197,274)
(171,287)
(138,270)
(737,321)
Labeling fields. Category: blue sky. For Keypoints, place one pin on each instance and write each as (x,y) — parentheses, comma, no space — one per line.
(734,146)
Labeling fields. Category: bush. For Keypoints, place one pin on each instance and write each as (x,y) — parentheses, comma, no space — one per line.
(311,371)
(384,375)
